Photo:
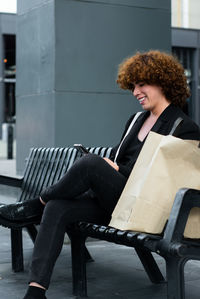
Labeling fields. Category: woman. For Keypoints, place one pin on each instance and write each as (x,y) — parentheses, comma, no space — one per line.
(90,189)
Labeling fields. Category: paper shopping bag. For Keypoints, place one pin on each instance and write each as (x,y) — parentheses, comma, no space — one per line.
(165,164)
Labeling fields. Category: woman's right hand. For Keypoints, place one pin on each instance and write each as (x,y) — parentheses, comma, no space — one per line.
(111,163)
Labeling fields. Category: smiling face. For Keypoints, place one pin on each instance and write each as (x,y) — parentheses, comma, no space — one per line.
(158,69)
(150,97)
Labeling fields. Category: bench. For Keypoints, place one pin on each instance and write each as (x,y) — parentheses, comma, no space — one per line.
(44,167)
(171,245)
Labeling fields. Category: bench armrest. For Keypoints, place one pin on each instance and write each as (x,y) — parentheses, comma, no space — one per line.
(11,181)
(185,200)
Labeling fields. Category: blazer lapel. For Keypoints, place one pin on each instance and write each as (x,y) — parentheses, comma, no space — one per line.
(168,116)
(158,125)
(133,133)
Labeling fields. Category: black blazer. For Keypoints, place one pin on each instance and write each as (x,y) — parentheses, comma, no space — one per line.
(188,130)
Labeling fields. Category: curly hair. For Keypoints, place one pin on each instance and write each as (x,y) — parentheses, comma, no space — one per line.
(155,68)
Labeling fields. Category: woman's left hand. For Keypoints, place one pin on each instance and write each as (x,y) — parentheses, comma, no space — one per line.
(111,163)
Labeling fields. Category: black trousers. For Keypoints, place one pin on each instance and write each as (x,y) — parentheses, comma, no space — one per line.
(87,192)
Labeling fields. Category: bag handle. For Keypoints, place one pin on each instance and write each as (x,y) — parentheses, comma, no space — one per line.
(176,126)
(127,132)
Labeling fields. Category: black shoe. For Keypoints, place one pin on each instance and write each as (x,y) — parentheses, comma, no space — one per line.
(22,211)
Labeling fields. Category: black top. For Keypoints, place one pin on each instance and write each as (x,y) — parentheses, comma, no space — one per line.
(131,146)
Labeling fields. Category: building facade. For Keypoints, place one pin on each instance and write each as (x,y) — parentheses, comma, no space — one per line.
(7,68)
(186,45)
(185,14)
(67,58)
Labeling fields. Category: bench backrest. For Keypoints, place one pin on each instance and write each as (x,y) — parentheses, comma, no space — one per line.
(45,166)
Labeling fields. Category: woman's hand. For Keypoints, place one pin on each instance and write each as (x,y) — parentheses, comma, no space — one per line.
(111,163)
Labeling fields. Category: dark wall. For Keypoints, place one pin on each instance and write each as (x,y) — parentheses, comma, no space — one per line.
(187,43)
(93,37)
(67,58)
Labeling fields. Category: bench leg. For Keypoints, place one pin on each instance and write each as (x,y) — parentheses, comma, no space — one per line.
(78,265)
(175,278)
(88,257)
(17,250)
(150,265)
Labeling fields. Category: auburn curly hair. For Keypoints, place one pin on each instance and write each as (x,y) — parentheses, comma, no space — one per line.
(155,68)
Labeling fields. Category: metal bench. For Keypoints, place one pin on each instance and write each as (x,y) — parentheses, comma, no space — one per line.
(44,167)
(171,245)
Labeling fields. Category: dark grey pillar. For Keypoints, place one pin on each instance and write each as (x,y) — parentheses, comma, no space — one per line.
(35,88)
(67,58)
